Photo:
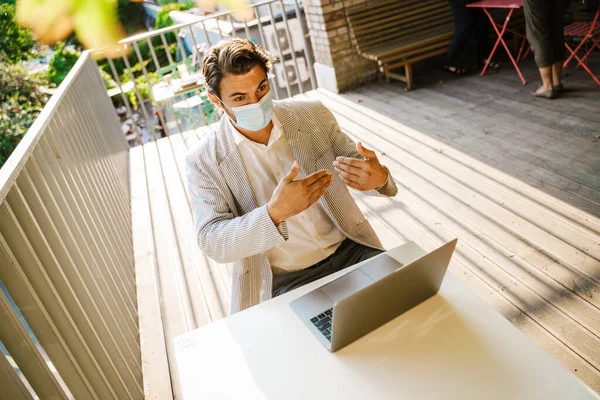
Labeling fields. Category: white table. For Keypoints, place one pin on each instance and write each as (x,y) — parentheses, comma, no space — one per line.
(452,346)
(164,92)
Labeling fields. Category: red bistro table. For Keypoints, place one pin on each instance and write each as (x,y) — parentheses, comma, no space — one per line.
(511,5)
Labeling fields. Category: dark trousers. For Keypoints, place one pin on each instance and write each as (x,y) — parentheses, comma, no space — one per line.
(468,23)
(347,254)
(545,24)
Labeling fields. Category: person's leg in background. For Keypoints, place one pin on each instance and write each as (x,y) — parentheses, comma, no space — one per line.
(558,43)
(458,46)
(482,30)
(538,23)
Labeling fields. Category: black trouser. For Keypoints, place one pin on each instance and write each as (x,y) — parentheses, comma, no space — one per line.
(468,22)
(346,255)
(545,24)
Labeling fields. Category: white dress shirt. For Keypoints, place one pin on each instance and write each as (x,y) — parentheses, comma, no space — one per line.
(312,234)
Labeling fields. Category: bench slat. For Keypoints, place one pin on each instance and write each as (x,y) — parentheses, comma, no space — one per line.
(375,18)
(408,44)
(380,5)
(415,59)
(401,39)
(410,26)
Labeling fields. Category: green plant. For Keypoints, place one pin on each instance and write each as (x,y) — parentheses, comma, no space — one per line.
(109,82)
(61,63)
(188,3)
(16,43)
(20,103)
(142,85)
(163,20)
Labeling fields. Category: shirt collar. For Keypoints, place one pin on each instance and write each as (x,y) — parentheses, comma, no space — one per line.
(237,136)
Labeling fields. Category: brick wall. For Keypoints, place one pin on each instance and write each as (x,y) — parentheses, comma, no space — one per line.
(339,67)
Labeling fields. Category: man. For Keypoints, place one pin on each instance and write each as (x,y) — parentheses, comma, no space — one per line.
(269,184)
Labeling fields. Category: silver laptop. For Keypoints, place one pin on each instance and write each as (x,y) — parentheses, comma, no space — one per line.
(359,302)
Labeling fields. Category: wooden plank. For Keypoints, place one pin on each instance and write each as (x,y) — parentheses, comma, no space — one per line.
(399,15)
(203,298)
(390,32)
(425,49)
(424,39)
(177,310)
(413,60)
(217,295)
(155,364)
(545,140)
(383,4)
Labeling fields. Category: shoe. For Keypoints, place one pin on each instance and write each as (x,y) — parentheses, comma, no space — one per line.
(546,94)
(559,89)
(455,71)
(492,65)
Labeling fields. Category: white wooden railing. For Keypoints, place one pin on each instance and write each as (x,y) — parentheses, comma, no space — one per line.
(68,308)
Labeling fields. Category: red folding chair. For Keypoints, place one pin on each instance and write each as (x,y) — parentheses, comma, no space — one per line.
(587,32)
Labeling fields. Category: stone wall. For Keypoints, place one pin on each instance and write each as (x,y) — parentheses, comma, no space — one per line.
(338,67)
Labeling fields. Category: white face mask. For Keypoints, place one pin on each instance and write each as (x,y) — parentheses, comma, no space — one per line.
(256,116)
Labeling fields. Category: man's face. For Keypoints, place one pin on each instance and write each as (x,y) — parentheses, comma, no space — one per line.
(241,90)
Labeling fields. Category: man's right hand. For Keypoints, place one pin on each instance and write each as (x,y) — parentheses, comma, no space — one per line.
(292,197)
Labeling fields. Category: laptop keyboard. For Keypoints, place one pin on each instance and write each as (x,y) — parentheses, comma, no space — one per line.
(323,322)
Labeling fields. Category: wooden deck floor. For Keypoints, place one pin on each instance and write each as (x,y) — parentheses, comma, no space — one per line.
(517,180)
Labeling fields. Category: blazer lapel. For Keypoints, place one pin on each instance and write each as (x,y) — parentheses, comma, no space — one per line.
(234,172)
(299,141)
(302,146)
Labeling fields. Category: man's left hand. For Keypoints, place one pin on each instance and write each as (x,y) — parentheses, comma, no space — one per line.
(367,174)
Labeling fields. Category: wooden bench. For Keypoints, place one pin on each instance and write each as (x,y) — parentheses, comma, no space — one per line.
(399,33)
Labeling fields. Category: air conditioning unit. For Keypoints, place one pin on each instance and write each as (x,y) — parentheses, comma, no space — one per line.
(288,70)
(274,34)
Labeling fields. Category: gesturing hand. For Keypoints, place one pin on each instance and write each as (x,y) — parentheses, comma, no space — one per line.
(292,197)
(367,174)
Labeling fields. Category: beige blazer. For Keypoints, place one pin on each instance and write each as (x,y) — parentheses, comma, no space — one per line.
(231,227)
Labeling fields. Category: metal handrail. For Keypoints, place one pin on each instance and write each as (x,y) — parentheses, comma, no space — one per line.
(142,36)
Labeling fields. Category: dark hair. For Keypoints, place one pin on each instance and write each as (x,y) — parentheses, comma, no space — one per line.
(233,56)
